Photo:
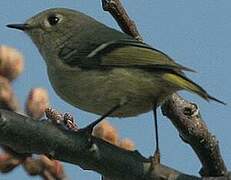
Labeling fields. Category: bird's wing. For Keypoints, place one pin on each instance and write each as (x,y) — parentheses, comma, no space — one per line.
(130,53)
(126,53)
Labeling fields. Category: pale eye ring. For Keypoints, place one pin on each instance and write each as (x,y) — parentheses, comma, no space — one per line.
(53,19)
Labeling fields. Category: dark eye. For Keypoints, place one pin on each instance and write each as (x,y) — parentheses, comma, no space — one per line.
(53,20)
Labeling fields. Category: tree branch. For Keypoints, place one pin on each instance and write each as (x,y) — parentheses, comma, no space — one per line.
(119,13)
(187,119)
(25,135)
(191,127)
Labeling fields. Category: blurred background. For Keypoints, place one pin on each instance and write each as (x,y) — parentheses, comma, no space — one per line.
(194,33)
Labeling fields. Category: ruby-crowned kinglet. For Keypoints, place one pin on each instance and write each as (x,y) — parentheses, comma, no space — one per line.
(97,68)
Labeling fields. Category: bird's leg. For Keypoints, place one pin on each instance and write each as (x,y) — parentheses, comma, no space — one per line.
(157,151)
(89,128)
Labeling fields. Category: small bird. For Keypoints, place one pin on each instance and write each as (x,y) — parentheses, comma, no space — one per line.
(104,71)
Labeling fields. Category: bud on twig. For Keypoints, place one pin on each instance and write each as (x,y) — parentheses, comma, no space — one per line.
(107,132)
(8,163)
(127,144)
(33,166)
(7,97)
(11,62)
(37,103)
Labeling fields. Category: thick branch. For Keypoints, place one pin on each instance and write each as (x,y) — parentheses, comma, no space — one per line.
(187,119)
(203,143)
(25,135)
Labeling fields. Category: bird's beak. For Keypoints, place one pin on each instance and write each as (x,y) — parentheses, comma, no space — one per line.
(21,27)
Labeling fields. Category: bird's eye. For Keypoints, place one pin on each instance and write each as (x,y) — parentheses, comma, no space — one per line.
(53,20)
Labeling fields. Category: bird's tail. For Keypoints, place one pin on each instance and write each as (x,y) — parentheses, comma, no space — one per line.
(185,83)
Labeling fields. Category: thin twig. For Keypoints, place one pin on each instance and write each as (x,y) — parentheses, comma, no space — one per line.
(115,8)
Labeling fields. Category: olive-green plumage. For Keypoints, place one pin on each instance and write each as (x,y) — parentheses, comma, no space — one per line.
(94,67)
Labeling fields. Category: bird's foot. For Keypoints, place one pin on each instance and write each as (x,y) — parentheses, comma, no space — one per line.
(156,157)
(89,128)
(65,120)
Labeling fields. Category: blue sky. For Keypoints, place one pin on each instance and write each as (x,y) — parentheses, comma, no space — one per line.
(194,33)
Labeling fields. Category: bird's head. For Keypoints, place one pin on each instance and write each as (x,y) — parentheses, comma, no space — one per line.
(54,28)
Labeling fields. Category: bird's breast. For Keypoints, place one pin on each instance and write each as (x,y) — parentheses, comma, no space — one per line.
(97,91)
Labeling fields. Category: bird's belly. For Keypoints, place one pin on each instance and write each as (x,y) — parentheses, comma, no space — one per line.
(99,91)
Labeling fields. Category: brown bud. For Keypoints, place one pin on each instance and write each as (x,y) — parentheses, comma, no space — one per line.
(105,131)
(127,144)
(53,166)
(7,97)
(11,62)
(37,103)
(8,163)
(33,166)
